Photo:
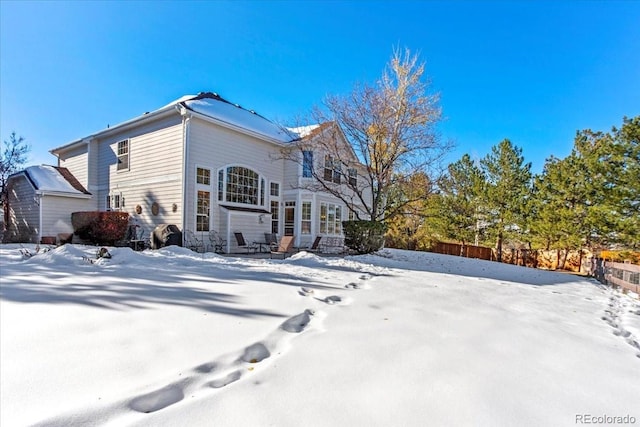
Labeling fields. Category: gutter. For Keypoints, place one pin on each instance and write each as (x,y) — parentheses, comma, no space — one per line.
(63,194)
(40,218)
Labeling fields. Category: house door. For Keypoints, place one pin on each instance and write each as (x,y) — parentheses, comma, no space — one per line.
(289,218)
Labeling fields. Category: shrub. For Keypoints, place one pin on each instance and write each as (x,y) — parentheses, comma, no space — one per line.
(364,237)
(100,228)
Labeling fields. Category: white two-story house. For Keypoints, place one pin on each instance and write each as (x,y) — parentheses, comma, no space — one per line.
(204,164)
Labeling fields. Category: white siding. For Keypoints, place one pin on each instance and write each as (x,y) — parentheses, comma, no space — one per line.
(56,213)
(77,161)
(24,212)
(214,147)
(154,175)
(248,225)
(292,173)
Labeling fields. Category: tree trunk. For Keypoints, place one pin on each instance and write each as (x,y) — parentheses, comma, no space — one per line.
(561,263)
(499,247)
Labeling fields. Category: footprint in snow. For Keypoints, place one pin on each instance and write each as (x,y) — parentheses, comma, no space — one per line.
(159,399)
(306,292)
(621,333)
(255,353)
(298,323)
(226,380)
(333,299)
(205,368)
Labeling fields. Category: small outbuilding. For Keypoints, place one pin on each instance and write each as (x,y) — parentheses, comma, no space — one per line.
(40,201)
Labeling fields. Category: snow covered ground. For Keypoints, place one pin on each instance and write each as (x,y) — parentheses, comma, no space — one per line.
(173,338)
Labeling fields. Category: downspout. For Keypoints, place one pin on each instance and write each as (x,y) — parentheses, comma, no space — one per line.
(228,231)
(185,161)
(40,198)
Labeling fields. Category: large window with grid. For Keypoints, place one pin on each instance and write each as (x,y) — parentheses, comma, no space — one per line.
(244,186)
(123,155)
(330,218)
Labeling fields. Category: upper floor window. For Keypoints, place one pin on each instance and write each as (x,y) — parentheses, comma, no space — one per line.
(275,189)
(353,177)
(241,185)
(203,176)
(307,164)
(123,155)
(332,169)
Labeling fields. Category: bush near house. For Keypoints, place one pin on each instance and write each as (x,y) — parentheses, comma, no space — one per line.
(364,237)
(100,228)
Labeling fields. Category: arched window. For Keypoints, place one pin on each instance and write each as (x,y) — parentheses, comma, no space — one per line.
(241,185)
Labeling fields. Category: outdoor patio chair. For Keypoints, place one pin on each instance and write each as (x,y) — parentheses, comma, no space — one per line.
(138,242)
(217,242)
(271,239)
(285,247)
(192,242)
(315,246)
(250,248)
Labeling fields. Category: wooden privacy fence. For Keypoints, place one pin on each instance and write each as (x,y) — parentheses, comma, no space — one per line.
(468,251)
(626,276)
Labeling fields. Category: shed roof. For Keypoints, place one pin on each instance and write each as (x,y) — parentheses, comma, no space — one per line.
(53,179)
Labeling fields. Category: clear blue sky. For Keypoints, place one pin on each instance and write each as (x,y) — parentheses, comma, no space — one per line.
(533,72)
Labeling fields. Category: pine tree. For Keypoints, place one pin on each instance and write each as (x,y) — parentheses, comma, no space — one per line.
(458,205)
(507,191)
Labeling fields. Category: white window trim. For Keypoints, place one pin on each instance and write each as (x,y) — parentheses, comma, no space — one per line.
(336,219)
(262,181)
(202,187)
(111,204)
(310,220)
(128,168)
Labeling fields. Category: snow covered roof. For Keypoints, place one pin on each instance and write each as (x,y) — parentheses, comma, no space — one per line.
(303,131)
(214,106)
(54,179)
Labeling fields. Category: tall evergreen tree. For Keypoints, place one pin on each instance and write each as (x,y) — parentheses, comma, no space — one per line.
(459,203)
(559,214)
(507,191)
(627,149)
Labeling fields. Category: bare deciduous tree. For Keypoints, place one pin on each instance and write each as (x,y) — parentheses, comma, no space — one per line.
(390,134)
(13,157)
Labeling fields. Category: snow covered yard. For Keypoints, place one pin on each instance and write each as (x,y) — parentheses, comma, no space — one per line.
(171,337)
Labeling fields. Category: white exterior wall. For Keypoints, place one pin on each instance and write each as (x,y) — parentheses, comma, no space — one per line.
(56,213)
(292,172)
(24,212)
(77,161)
(214,147)
(154,174)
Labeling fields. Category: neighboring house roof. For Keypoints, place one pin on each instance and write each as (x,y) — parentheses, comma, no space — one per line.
(52,179)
